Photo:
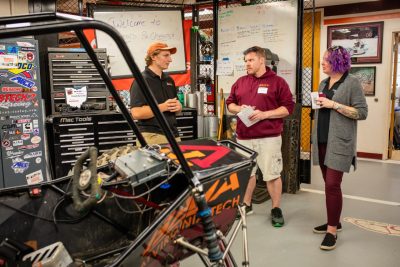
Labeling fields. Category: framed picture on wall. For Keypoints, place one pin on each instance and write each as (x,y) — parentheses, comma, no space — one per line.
(366,76)
(363,40)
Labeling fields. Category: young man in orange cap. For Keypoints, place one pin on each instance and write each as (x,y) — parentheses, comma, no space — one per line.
(163,88)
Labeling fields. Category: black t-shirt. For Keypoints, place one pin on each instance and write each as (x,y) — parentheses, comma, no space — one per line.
(163,89)
(324,114)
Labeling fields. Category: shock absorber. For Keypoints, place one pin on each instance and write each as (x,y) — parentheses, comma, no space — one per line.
(204,213)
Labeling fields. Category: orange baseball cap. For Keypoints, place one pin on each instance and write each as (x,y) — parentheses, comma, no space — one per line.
(159,46)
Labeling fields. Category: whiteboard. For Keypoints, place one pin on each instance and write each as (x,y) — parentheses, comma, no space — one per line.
(139,28)
(269,25)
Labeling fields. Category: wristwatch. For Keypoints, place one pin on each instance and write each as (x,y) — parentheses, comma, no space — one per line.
(337,106)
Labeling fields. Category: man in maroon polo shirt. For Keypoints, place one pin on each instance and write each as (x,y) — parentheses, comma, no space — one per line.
(270,97)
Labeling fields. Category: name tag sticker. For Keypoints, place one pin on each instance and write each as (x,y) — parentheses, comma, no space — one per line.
(262,90)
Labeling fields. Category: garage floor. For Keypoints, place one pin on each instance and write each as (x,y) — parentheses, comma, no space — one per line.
(370,218)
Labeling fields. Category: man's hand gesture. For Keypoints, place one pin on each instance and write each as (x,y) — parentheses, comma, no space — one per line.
(258,115)
(173,105)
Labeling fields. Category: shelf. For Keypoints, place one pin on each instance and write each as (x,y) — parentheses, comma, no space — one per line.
(201,77)
(202,62)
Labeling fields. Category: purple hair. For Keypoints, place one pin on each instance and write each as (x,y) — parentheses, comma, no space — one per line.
(339,58)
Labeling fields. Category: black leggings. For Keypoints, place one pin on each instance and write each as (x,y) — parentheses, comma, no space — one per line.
(333,192)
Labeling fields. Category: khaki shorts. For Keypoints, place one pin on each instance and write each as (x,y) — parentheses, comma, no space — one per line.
(154,138)
(269,158)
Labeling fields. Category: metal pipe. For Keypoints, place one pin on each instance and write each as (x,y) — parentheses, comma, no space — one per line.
(233,237)
(204,259)
(194,51)
(215,46)
(312,43)
(132,3)
(242,211)
(187,245)
(28,18)
(299,52)
(80,7)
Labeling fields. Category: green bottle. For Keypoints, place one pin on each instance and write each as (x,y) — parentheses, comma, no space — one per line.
(181,98)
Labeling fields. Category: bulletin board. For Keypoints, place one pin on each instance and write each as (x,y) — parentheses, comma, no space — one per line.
(139,27)
(269,25)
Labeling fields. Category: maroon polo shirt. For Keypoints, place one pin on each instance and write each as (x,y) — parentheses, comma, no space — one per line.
(250,90)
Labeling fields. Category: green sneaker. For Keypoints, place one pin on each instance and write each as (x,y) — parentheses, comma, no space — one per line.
(277,217)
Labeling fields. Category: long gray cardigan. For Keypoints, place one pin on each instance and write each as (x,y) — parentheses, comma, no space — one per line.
(341,150)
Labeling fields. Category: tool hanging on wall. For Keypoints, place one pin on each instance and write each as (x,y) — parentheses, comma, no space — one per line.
(207,47)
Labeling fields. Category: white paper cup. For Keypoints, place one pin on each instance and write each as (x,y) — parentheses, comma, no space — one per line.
(314,98)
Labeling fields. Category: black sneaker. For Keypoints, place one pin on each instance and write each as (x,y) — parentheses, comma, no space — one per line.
(329,242)
(277,217)
(323,228)
(249,210)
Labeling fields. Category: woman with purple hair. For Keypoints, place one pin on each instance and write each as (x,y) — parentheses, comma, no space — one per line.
(334,136)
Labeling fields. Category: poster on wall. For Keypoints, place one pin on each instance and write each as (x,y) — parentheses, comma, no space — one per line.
(363,41)
(366,76)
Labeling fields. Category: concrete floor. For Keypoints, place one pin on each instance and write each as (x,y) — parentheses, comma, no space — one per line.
(372,193)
